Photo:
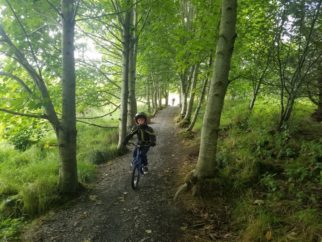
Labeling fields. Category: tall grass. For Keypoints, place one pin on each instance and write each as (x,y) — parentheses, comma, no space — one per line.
(276,175)
(29,179)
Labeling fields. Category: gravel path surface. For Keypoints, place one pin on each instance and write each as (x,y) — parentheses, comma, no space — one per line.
(112,211)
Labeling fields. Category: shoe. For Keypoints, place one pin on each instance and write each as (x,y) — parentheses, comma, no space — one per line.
(145,169)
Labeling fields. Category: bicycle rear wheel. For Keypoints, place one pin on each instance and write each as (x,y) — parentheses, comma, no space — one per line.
(135,177)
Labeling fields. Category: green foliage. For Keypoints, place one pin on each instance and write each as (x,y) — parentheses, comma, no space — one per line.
(9,228)
(22,132)
(279,171)
(31,169)
(86,172)
(96,145)
(255,221)
(29,179)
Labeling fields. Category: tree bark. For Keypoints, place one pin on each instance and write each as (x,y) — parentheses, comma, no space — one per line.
(68,182)
(202,96)
(207,166)
(148,95)
(126,39)
(184,94)
(132,70)
(187,117)
(317,115)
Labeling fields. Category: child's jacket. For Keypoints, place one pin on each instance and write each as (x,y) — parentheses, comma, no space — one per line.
(145,135)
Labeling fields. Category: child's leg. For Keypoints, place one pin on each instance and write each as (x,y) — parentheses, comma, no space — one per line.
(135,153)
(144,151)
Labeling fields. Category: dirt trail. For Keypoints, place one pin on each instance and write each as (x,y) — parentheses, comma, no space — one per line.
(112,211)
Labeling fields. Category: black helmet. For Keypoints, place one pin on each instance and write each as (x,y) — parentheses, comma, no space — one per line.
(140,115)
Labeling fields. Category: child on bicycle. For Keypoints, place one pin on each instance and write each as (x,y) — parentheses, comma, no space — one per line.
(145,136)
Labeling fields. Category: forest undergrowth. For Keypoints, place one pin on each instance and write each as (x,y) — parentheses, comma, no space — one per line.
(270,186)
(29,178)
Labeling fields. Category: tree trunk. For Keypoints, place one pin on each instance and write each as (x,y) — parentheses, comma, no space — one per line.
(132,71)
(202,96)
(207,166)
(68,182)
(66,128)
(155,100)
(159,95)
(317,115)
(126,39)
(148,90)
(166,97)
(184,94)
(254,97)
(187,117)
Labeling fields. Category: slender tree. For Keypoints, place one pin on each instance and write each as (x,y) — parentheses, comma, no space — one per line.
(187,118)
(65,128)
(207,166)
(125,21)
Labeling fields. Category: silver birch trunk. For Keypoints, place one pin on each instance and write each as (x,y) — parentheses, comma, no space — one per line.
(207,165)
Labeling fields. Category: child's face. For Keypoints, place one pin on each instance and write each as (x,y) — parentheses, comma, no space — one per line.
(141,121)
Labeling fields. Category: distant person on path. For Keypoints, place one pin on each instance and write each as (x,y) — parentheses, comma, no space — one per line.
(173,101)
(145,137)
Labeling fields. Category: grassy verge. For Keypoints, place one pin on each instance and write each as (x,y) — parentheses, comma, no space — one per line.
(275,178)
(29,179)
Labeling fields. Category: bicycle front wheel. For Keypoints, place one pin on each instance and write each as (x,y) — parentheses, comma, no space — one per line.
(135,177)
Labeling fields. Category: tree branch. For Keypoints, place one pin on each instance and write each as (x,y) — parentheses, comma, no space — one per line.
(96,125)
(26,36)
(54,7)
(24,114)
(102,116)
(21,82)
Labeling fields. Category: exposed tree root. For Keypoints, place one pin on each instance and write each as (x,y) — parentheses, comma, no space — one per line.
(184,123)
(190,181)
(205,186)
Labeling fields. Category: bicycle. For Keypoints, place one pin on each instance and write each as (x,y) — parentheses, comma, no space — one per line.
(137,167)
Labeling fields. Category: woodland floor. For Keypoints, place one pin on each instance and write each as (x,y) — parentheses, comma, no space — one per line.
(112,211)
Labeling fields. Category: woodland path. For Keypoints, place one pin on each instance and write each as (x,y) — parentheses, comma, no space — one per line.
(112,211)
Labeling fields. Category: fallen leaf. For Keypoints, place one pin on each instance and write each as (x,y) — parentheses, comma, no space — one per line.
(269,235)
(259,202)
(148,231)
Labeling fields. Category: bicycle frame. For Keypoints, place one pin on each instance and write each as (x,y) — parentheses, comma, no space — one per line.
(137,162)
(137,166)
